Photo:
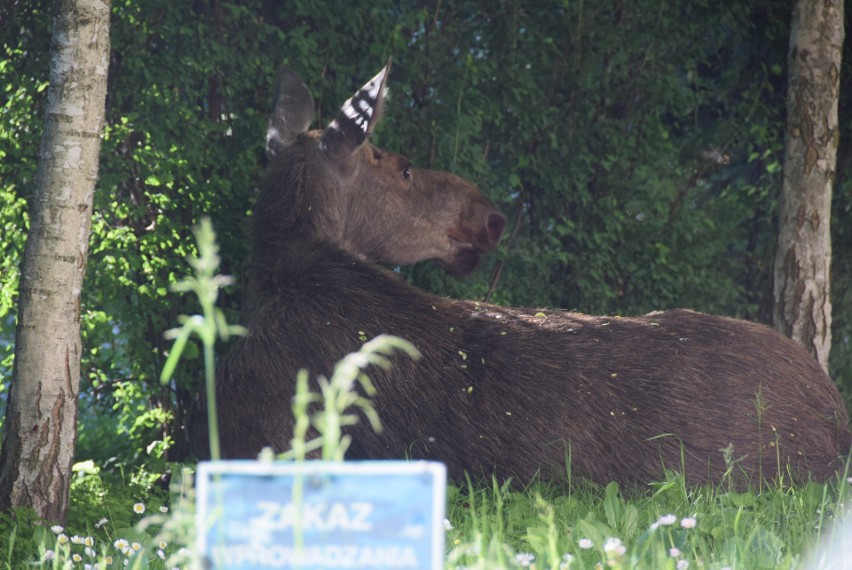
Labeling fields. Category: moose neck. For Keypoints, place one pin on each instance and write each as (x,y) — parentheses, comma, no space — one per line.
(300,212)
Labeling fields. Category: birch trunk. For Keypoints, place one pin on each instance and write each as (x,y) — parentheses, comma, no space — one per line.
(802,303)
(41,416)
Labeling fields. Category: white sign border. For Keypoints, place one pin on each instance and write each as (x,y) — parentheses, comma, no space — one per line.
(207,469)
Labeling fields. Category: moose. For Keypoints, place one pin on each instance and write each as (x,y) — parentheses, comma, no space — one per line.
(514,392)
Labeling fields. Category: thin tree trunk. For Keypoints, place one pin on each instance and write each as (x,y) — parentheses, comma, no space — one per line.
(802,304)
(41,416)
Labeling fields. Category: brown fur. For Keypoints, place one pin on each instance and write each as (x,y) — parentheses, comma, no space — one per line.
(503,390)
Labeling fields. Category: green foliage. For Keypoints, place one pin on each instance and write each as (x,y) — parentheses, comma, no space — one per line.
(596,121)
(24,57)
(19,538)
(104,508)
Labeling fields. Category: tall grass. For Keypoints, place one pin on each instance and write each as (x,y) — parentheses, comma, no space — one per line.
(549,525)
(209,325)
(665,525)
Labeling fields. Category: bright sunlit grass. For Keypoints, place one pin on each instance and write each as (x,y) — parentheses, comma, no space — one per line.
(665,525)
(546,525)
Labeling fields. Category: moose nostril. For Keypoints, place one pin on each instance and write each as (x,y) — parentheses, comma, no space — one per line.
(496,225)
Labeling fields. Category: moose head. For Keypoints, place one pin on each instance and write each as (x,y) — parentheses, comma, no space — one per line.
(376,204)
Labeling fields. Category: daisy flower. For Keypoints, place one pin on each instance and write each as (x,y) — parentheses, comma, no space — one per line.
(614,546)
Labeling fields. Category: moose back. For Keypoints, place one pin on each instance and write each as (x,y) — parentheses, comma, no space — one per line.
(498,390)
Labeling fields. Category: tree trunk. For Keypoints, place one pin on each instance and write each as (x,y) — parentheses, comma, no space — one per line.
(41,416)
(802,305)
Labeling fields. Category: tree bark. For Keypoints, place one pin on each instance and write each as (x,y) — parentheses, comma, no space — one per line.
(802,304)
(41,416)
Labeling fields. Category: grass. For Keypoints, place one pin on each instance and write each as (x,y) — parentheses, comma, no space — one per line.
(119,521)
(666,525)
(490,526)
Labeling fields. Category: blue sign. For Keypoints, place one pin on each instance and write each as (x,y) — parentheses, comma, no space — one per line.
(321,515)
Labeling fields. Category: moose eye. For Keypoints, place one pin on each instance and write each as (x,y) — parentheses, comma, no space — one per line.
(406,173)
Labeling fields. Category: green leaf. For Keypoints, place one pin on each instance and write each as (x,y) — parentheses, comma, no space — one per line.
(175,353)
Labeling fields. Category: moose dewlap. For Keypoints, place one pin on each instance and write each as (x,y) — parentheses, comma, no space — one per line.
(505,390)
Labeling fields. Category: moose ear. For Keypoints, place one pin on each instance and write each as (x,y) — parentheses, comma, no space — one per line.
(357,118)
(293,112)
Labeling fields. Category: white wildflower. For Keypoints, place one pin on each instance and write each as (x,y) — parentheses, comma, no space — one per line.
(687,522)
(614,546)
(524,558)
(585,543)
